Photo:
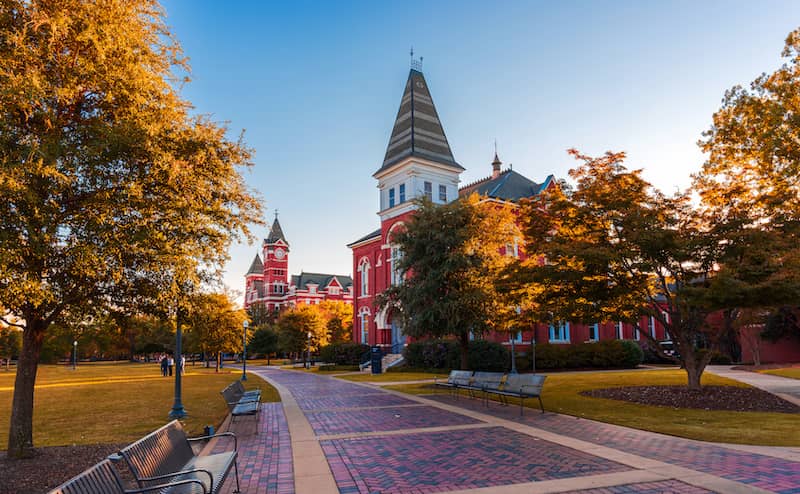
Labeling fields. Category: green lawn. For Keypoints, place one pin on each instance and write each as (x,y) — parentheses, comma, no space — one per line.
(118,402)
(792,372)
(561,395)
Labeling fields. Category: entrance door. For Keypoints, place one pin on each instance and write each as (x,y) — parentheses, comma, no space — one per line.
(398,338)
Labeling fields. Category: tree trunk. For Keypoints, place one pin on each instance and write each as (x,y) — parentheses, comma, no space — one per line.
(463,341)
(217,362)
(695,363)
(20,434)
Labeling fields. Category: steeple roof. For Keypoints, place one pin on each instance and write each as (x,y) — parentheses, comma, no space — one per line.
(417,129)
(275,233)
(256,267)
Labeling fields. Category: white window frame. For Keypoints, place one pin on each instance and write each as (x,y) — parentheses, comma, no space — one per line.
(391,197)
(402,193)
(559,334)
(364,269)
(651,326)
(618,330)
(427,189)
(443,193)
(594,328)
(394,259)
(364,320)
(516,337)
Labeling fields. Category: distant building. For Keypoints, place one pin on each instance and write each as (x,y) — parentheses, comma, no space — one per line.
(267,282)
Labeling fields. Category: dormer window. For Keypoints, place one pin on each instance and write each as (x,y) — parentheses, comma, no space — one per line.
(334,290)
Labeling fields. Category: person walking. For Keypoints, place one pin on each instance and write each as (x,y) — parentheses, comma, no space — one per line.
(183,363)
(164,365)
(170,364)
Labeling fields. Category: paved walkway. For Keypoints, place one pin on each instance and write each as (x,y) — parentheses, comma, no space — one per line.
(334,436)
(786,388)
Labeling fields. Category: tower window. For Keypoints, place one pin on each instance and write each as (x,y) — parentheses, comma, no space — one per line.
(443,193)
(428,188)
(391,197)
(402,193)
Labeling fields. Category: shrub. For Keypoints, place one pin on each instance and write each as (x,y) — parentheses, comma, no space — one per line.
(601,354)
(446,354)
(343,353)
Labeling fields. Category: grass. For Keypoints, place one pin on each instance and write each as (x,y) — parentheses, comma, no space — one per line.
(792,372)
(393,376)
(561,394)
(119,402)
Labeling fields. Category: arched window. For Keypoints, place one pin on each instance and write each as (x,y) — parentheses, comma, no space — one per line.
(394,265)
(364,269)
(364,317)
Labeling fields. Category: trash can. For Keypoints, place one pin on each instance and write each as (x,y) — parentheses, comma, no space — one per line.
(376,360)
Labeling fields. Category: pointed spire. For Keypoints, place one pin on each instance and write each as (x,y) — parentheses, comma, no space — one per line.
(496,163)
(276,232)
(256,267)
(417,129)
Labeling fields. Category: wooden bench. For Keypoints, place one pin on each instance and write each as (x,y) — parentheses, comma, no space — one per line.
(520,386)
(104,479)
(456,380)
(166,455)
(239,403)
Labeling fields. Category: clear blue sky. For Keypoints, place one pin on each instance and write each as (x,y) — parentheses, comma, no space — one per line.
(316,87)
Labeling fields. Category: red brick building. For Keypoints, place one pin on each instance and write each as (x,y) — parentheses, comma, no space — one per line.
(268,281)
(419,162)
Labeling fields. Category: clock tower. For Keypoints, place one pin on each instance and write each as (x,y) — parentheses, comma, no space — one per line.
(275,252)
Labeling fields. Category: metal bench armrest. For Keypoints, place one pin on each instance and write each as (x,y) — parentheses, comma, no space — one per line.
(221,434)
(182,472)
(159,487)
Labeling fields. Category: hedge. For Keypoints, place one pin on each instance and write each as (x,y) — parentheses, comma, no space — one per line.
(343,353)
(491,356)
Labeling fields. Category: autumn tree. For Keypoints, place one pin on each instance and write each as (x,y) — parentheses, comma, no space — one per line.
(614,248)
(294,326)
(338,317)
(109,179)
(213,324)
(264,340)
(453,254)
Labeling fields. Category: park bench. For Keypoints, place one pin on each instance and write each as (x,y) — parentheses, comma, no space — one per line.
(166,455)
(252,395)
(485,382)
(239,403)
(104,479)
(520,386)
(457,379)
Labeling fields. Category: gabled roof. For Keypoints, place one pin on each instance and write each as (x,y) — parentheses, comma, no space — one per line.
(508,186)
(321,279)
(371,235)
(275,233)
(417,129)
(256,267)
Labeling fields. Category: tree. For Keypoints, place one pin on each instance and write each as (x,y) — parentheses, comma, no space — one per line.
(338,317)
(453,254)
(213,325)
(259,314)
(264,340)
(614,248)
(294,326)
(109,181)
(10,344)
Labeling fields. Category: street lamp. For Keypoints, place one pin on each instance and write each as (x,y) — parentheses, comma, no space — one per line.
(75,355)
(178,412)
(245,325)
(308,351)
(514,337)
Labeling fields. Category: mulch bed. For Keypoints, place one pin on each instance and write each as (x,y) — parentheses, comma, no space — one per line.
(729,398)
(50,467)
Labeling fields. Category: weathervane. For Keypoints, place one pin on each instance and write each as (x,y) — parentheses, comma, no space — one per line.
(415,64)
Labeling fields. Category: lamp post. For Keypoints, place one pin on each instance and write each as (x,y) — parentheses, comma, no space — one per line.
(514,337)
(178,412)
(245,325)
(75,355)
(308,350)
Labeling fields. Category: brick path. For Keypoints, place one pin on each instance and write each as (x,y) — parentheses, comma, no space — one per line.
(765,472)
(356,439)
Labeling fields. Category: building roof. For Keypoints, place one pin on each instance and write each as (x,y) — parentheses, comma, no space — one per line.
(321,279)
(275,233)
(417,129)
(371,235)
(508,186)
(256,267)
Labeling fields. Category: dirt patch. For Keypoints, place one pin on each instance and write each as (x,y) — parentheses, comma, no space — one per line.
(730,398)
(50,467)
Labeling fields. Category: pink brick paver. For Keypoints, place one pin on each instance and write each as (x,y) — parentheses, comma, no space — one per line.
(663,487)
(265,459)
(766,472)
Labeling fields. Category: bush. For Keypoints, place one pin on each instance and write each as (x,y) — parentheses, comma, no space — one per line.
(602,354)
(446,354)
(343,353)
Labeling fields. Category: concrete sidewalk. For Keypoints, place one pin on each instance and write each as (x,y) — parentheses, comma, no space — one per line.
(786,388)
(334,436)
